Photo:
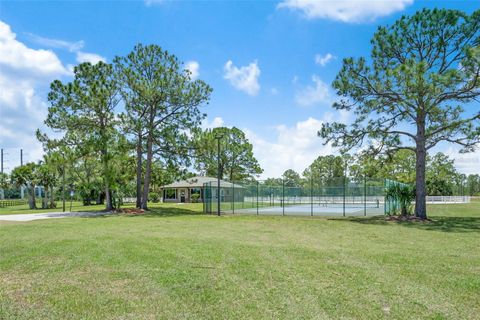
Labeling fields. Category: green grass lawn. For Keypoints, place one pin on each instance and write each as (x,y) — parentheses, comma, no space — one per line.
(175,263)
(78,206)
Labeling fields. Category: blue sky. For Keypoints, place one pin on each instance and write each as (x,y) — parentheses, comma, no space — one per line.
(270,63)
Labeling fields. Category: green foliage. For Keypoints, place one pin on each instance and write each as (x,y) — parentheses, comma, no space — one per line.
(162,105)
(237,161)
(26,176)
(325,169)
(442,178)
(175,263)
(291,178)
(4,181)
(473,185)
(441,175)
(422,67)
(84,110)
(47,179)
(401,195)
(154,197)
(195,197)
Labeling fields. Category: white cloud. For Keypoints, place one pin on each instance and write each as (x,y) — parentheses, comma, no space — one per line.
(194,68)
(24,73)
(56,43)
(75,47)
(323,60)
(14,55)
(215,123)
(467,163)
(292,148)
(89,57)
(244,78)
(349,11)
(311,95)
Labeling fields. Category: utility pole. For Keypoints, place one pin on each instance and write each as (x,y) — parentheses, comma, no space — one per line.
(2,159)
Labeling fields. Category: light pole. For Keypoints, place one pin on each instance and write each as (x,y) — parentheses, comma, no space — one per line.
(218,136)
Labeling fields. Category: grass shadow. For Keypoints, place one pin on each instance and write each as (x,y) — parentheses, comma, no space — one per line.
(155,212)
(437,223)
(171,212)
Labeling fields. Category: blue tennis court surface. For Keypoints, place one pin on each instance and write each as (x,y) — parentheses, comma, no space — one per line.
(316,210)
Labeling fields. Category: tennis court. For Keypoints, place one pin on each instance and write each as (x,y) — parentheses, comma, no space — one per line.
(314,210)
(342,196)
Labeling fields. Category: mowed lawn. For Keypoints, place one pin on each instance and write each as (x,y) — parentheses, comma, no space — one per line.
(176,263)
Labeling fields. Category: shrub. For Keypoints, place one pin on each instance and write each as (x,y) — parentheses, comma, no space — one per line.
(403,194)
(195,197)
(155,197)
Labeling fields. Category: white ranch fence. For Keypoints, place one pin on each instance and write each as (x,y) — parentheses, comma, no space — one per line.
(447,199)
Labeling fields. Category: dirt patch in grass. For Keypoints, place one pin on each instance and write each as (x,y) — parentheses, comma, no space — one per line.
(407,219)
(130,211)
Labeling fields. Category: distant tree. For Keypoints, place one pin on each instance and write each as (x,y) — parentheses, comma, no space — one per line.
(273,181)
(85,108)
(162,105)
(237,161)
(325,169)
(441,174)
(473,184)
(4,184)
(422,67)
(26,176)
(291,178)
(399,166)
(46,178)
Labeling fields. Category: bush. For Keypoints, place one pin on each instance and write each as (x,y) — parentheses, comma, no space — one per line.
(155,197)
(195,197)
(403,194)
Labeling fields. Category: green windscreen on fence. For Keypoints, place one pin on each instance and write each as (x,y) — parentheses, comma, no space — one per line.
(341,196)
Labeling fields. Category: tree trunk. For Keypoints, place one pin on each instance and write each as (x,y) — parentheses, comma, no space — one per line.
(31,191)
(63,188)
(108,199)
(106,177)
(52,198)
(139,171)
(148,173)
(45,198)
(421,156)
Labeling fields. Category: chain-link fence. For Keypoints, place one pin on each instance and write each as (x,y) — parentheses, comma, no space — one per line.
(342,196)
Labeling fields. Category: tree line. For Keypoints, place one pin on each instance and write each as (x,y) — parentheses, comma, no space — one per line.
(442,178)
(408,96)
(127,128)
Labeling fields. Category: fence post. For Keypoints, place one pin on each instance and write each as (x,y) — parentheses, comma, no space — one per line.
(233,198)
(384,198)
(257,197)
(344,188)
(311,195)
(283,197)
(365,195)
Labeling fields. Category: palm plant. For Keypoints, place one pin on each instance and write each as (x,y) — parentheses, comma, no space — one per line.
(401,194)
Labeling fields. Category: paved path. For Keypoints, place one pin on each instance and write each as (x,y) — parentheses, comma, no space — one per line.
(48,215)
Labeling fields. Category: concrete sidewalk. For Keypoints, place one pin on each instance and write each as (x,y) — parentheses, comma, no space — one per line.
(48,215)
